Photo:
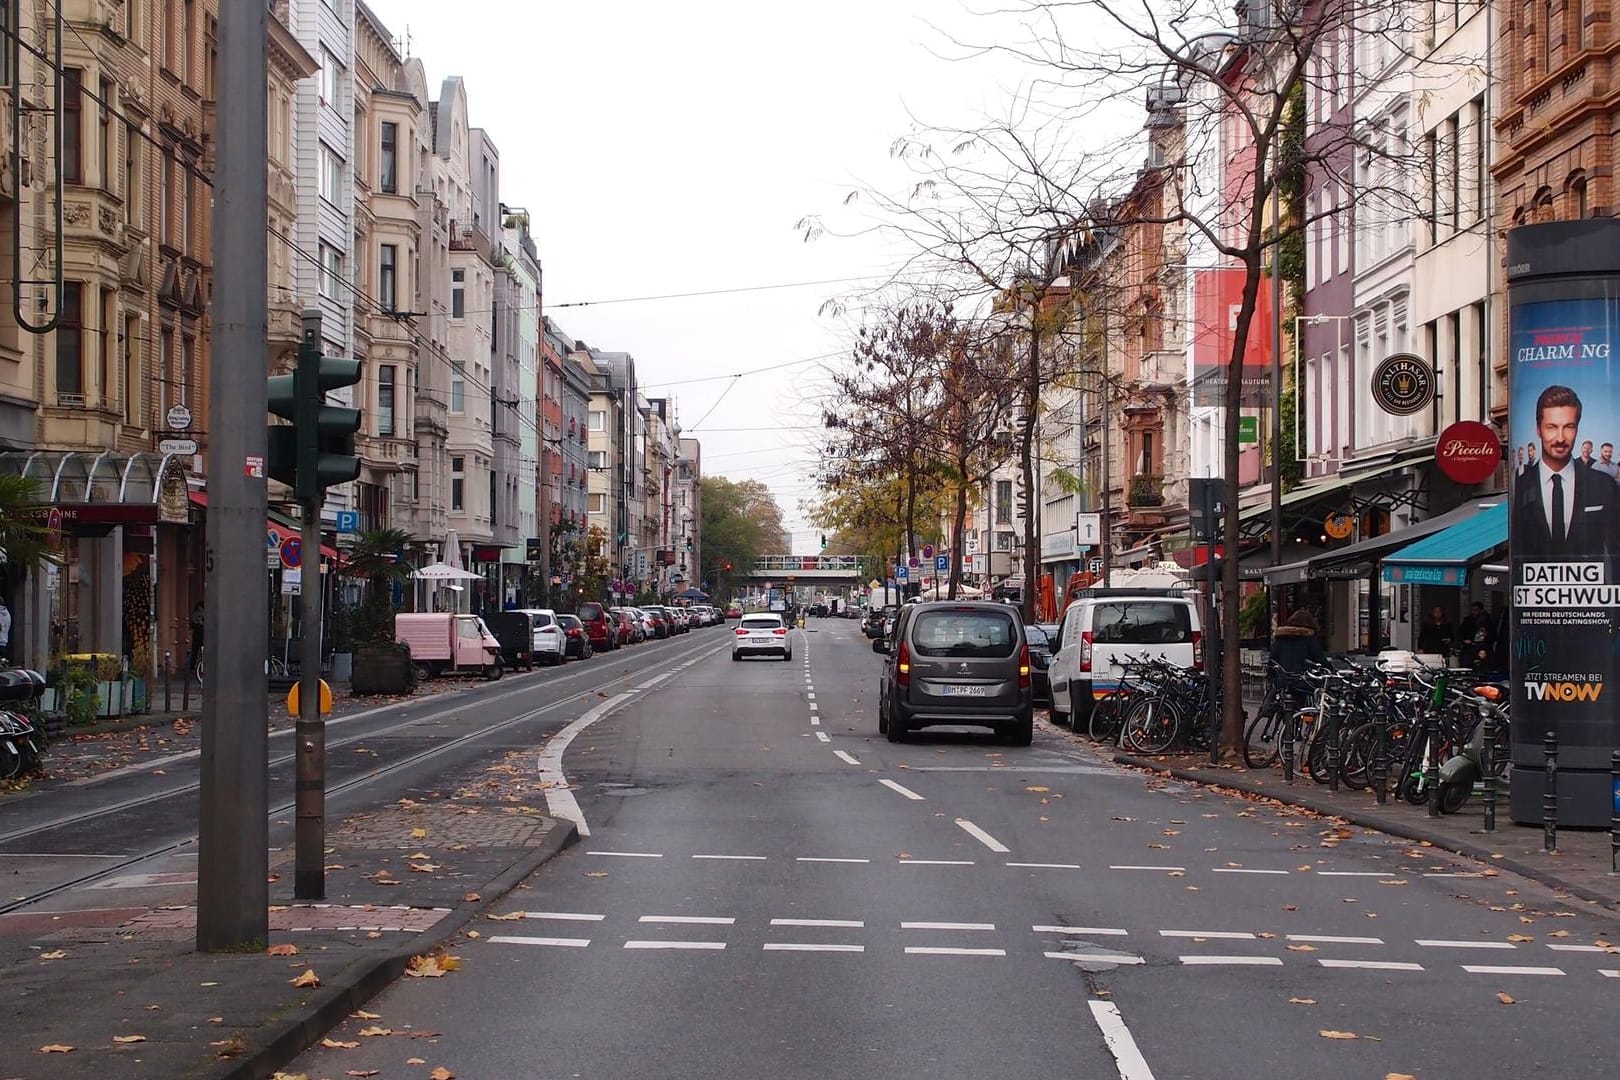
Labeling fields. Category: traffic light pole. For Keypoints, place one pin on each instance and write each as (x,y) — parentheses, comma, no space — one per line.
(309,834)
(233,833)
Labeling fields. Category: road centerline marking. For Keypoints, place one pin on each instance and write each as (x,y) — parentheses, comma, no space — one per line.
(1237,961)
(737,858)
(847,924)
(1117,1037)
(571,916)
(554,942)
(800,946)
(1329,939)
(1096,957)
(1245,870)
(934,862)
(940,950)
(947,926)
(1087,930)
(715,945)
(628,854)
(690,920)
(821,859)
(823,736)
(1436,943)
(1171,869)
(901,789)
(1493,969)
(1224,935)
(1044,865)
(845,756)
(1372,965)
(982,837)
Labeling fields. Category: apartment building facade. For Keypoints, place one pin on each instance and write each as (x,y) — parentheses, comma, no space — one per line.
(519,300)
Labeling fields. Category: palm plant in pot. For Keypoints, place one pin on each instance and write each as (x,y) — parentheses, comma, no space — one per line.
(381,664)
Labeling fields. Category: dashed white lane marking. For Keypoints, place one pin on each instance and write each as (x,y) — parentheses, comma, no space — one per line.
(1609,974)
(813,858)
(1096,957)
(1582,948)
(947,926)
(936,950)
(813,707)
(815,721)
(1489,969)
(628,854)
(845,756)
(1171,869)
(737,858)
(1236,961)
(1223,935)
(811,696)
(690,920)
(1329,939)
(1354,873)
(674,944)
(1086,930)
(1474,874)
(936,862)
(1245,870)
(799,946)
(902,789)
(1117,1037)
(572,916)
(823,736)
(982,837)
(848,924)
(554,942)
(1045,865)
(1372,965)
(1432,943)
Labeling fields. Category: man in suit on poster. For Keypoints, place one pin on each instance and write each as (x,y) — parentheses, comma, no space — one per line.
(1563,509)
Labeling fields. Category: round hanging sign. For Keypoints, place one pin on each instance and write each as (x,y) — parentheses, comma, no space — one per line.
(1468,452)
(1339,526)
(1403,384)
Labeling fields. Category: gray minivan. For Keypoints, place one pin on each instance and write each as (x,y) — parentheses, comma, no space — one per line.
(956,662)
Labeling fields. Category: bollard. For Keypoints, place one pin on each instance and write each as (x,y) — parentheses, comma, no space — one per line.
(1614,812)
(1549,795)
(1487,767)
(1290,726)
(1380,762)
(1331,733)
(185,686)
(1431,754)
(168,681)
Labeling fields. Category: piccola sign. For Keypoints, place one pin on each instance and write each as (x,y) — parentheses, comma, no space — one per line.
(1468,452)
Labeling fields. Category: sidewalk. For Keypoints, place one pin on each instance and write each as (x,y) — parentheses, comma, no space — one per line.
(121,991)
(1580,866)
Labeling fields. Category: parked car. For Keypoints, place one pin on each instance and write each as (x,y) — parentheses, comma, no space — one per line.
(443,641)
(956,662)
(734,611)
(762,633)
(660,622)
(515,631)
(577,640)
(872,622)
(630,631)
(645,621)
(602,630)
(1103,626)
(549,638)
(1040,637)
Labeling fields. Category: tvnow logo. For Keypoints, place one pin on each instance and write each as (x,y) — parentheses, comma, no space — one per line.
(1562,691)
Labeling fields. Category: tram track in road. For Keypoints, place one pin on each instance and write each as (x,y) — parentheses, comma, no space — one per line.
(396,765)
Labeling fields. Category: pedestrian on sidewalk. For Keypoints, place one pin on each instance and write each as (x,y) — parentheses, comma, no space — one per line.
(5,631)
(1296,645)
(196,638)
(1437,635)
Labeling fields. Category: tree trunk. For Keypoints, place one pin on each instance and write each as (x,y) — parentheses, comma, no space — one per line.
(960,524)
(1032,396)
(1231,601)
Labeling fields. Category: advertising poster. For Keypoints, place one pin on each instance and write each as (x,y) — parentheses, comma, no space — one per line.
(1217,299)
(1564,424)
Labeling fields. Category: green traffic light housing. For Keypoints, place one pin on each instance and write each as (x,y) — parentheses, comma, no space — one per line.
(315,451)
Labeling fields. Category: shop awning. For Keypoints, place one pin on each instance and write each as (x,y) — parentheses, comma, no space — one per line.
(281,529)
(1357,560)
(1443,558)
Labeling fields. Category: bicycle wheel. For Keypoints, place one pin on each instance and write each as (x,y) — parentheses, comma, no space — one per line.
(1356,757)
(1107,716)
(1261,747)
(1151,726)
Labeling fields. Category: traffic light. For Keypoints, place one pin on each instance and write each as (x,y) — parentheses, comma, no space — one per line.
(728,566)
(316,451)
(824,541)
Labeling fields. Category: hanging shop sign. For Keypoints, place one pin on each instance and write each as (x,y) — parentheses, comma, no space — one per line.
(1339,526)
(1403,384)
(1468,452)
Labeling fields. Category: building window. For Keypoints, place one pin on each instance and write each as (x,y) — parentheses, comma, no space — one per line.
(132,334)
(388,174)
(70,345)
(458,294)
(166,369)
(598,459)
(165,180)
(109,141)
(1577,197)
(458,388)
(108,346)
(387,291)
(210,56)
(1004,502)
(331,271)
(385,399)
(598,420)
(329,79)
(458,483)
(187,28)
(185,178)
(1546,36)
(188,367)
(331,175)
(72,126)
(598,502)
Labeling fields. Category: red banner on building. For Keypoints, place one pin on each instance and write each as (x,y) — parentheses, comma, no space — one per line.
(1217,299)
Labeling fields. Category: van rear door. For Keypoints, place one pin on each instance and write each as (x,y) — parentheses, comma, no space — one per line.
(964,658)
(1139,628)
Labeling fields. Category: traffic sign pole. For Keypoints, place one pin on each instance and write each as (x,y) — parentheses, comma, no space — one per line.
(309,795)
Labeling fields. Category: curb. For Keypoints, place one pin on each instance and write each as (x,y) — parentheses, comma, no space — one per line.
(1394,827)
(368,976)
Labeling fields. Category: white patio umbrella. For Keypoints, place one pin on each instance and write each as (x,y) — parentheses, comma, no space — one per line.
(442,575)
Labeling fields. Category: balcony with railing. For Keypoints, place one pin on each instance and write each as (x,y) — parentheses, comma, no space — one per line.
(1147,490)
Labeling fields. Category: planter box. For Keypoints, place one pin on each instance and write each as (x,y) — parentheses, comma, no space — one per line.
(381,671)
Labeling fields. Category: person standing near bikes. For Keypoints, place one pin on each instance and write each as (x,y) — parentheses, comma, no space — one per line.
(1295,645)
(196,637)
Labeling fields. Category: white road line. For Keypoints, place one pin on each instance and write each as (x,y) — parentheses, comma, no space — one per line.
(813,707)
(572,916)
(1096,957)
(846,757)
(982,837)
(930,950)
(1582,948)
(1449,874)
(1239,961)
(1487,969)
(1172,869)
(1045,865)
(812,858)
(815,721)
(823,736)
(1087,930)
(675,945)
(1609,974)
(935,862)
(1117,1037)
(556,942)
(1328,939)
(1354,873)
(798,946)
(560,798)
(947,926)
(902,789)
(689,920)
(1372,965)
(1431,943)
(1224,935)
(628,854)
(811,696)
(1245,870)
(849,924)
(737,858)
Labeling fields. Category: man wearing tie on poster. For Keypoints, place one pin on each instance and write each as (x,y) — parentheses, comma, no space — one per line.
(1563,509)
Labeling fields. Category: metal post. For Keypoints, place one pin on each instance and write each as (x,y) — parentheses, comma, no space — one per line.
(168,681)
(1380,762)
(1276,375)
(1105,535)
(1549,795)
(1290,727)
(309,857)
(233,849)
(185,680)
(1487,767)
(1331,732)
(1431,759)
(1614,812)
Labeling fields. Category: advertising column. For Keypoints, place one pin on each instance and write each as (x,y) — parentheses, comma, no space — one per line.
(1564,408)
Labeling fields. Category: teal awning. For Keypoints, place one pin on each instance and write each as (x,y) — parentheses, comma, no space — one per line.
(1443,558)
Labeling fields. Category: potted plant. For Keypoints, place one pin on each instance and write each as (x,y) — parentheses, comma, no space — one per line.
(381,665)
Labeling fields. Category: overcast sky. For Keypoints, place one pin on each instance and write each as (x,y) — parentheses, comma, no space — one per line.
(666,148)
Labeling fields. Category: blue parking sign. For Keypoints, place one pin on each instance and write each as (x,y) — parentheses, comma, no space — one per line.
(942,562)
(902,573)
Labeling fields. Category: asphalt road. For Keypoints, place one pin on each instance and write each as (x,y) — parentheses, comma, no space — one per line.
(769,889)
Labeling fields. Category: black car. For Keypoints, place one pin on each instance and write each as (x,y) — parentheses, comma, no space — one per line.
(872,622)
(576,642)
(1041,639)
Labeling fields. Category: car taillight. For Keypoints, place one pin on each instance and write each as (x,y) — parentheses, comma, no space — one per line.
(1085,650)
(1023,668)
(740,632)
(780,631)
(902,665)
(1198,650)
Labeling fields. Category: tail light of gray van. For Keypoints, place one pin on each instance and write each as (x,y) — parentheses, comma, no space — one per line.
(1085,650)
(1023,667)
(902,665)
(1198,650)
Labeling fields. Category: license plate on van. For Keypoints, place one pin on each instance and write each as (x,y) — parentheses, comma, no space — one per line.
(964,691)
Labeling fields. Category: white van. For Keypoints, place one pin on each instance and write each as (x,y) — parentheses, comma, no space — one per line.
(1102,626)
